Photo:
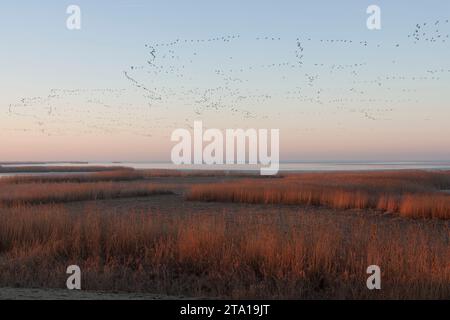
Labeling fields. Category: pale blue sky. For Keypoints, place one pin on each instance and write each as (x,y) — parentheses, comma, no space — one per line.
(343,113)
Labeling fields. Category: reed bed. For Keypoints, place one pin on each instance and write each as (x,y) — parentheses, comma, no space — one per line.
(225,255)
(414,194)
(41,193)
(115,175)
(119,174)
(198,173)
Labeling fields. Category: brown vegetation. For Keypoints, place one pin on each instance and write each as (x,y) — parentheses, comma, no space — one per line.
(416,194)
(197,173)
(230,251)
(94,174)
(115,175)
(40,193)
(224,255)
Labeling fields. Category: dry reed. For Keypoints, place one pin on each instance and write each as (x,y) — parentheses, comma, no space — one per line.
(224,255)
(415,194)
(40,193)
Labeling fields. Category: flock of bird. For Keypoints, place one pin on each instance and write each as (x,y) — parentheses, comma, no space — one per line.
(182,80)
(430,32)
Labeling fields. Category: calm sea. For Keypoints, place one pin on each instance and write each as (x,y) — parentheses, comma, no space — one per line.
(285,167)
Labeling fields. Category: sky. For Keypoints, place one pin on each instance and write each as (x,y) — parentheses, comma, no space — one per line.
(137,70)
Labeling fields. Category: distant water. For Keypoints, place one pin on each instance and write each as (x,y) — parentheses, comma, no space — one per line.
(286,166)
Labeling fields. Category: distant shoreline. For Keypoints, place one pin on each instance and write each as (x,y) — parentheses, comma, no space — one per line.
(286,167)
(12,163)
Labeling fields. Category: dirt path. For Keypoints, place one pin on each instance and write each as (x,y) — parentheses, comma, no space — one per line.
(64,294)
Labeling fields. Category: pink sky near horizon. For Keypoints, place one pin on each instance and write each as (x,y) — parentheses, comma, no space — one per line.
(391,144)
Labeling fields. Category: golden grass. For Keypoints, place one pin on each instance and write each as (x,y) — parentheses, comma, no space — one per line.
(224,255)
(40,193)
(231,253)
(115,175)
(415,194)
(196,173)
(96,174)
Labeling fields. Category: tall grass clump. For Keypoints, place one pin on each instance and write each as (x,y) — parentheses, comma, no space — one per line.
(415,194)
(41,193)
(103,176)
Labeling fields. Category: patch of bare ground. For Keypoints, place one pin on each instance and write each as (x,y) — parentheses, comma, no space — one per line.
(64,294)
